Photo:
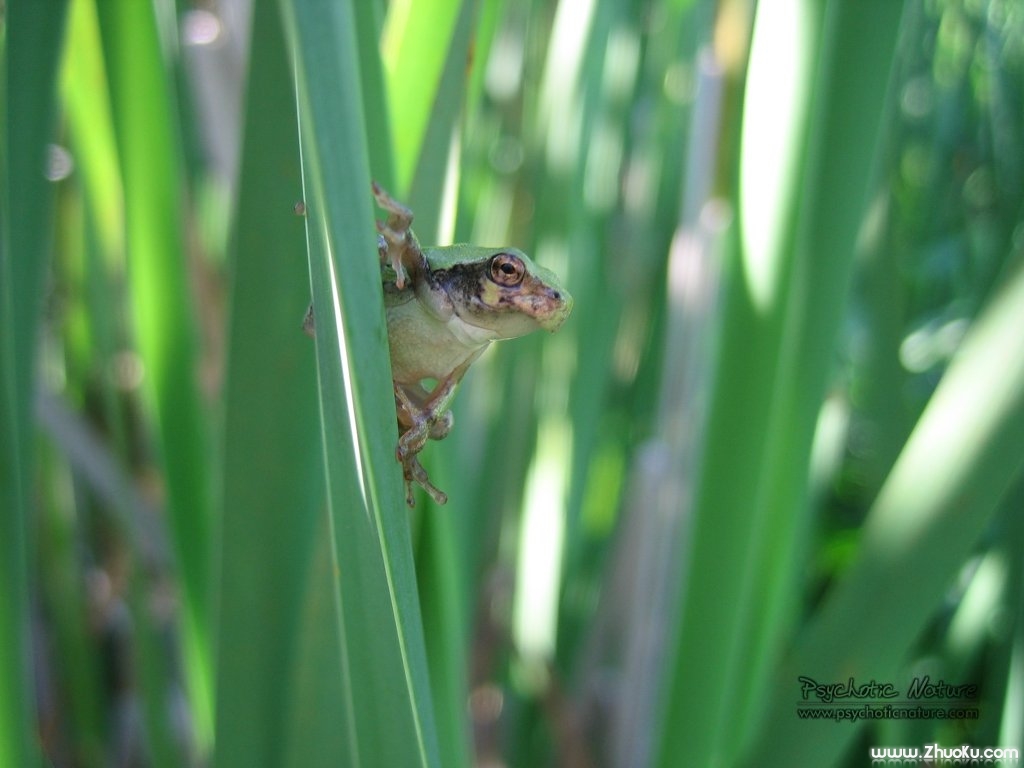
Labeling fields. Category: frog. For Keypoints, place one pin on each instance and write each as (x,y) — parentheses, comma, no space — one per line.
(444,306)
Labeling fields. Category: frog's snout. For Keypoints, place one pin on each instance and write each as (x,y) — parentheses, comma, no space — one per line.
(561,307)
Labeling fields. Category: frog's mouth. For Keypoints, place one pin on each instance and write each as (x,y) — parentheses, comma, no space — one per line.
(512,312)
(551,310)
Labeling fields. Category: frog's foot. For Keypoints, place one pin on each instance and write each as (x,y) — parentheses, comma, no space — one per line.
(399,217)
(392,255)
(412,441)
(420,423)
(414,420)
(395,240)
(424,427)
(413,472)
(441,426)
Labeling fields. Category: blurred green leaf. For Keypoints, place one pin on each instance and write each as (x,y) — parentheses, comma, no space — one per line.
(164,318)
(32,35)
(369,24)
(960,460)
(438,150)
(785,287)
(415,61)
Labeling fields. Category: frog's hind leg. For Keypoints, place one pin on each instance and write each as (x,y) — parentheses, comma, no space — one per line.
(413,404)
(417,422)
(413,471)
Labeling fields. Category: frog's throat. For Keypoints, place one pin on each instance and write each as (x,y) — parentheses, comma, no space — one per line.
(469,335)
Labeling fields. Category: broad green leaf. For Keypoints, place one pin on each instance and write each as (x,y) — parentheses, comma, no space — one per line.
(387,711)
(273,486)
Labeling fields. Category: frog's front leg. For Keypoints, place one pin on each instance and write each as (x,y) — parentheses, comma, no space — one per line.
(397,245)
(399,216)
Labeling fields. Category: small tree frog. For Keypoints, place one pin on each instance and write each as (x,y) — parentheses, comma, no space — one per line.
(444,306)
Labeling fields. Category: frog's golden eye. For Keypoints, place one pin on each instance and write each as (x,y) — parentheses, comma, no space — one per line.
(507,270)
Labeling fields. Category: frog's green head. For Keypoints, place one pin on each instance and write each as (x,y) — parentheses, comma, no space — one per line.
(501,290)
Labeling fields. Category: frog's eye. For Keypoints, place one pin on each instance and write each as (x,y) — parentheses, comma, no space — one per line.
(507,270)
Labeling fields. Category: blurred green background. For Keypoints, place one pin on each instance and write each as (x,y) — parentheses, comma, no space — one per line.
(780,437)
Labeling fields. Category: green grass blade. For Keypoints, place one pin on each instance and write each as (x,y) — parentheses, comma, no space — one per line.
(785,296)
(144,119)
(436,149)
(87,108)
(847,112)
(273,477)
(415,61)
(320,724)
(369,24)
(962,456)
(383,657)
(32,33)
(732,449)
(444,575)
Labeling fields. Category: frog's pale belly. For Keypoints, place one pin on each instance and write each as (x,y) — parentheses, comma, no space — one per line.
(424,346)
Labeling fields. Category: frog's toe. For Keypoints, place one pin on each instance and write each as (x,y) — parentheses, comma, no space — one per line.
(436,494)
(413,471)
(389,204)
(401,276)
(442,426)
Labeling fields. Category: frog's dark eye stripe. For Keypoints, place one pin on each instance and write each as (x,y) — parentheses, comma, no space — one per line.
(507,269)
